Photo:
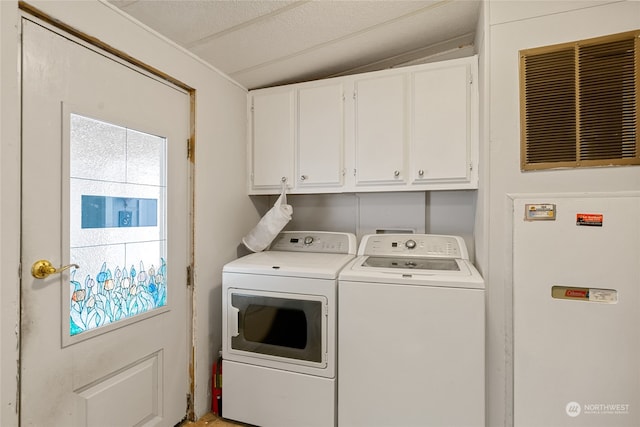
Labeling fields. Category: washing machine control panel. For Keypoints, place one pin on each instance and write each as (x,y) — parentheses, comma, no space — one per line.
(424,245)
(314,241)
(410,244)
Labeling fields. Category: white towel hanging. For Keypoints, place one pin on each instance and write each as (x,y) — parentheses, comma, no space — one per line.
(270,224)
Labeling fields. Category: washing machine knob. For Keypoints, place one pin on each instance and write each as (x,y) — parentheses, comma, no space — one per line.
(410,244)
(308,240)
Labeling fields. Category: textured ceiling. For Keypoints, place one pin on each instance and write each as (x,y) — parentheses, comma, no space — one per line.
(265,43)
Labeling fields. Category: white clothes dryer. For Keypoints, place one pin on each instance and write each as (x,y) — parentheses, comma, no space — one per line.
(411,348)
(279,313)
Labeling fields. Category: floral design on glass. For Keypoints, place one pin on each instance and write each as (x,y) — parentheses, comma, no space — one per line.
(110,297)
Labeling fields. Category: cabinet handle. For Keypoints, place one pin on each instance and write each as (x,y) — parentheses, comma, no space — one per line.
(421,172)
(303,177)
(396,173)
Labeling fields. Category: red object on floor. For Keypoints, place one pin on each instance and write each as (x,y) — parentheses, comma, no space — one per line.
(216,387)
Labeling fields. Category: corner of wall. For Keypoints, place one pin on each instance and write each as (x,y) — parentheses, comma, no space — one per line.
(10,213)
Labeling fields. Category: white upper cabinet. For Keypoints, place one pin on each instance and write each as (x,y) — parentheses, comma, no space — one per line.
(272,140)
(320,136)
(380,129)
(441,125)
(405,129)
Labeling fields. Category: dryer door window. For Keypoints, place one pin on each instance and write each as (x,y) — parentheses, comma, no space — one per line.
(283,326)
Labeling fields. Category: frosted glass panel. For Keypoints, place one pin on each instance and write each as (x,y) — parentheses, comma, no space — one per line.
(117,225)
(144,153)
(98,150)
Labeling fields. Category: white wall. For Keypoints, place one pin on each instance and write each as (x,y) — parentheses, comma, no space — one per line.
(436,212)
(516,25)
(223,213)
(481,227)
(10,212)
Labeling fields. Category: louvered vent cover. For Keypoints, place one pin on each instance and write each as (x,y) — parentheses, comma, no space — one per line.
(579,103)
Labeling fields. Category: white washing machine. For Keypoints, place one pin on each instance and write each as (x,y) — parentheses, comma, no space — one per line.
(411,346)
(279,314)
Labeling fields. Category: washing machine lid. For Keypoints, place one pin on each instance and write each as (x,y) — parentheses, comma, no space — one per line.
(295,264)
(405,266)
(443,272)
(412,263)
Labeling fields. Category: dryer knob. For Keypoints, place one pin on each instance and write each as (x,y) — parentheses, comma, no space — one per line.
(308,240)
(410,244)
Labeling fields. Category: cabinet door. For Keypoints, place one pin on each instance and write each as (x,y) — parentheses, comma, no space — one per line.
(272,139)
(380,130)
(320,136)
(441,125)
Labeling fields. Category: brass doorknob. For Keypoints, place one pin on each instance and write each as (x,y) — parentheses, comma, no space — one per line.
(43,268)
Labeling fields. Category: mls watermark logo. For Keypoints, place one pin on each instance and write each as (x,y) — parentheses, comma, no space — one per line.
(573,409)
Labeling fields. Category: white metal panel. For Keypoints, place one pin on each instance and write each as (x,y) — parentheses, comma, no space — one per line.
(273,398)
(321,135)
(380,129)
(410,356)
(572,358)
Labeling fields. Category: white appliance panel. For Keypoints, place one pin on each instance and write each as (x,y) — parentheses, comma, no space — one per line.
(424,245)
(410,356)
(268,398)
(577,352)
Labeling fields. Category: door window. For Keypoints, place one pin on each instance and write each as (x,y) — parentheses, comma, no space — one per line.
(117,228)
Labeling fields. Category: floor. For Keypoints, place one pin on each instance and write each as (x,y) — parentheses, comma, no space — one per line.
(211,420)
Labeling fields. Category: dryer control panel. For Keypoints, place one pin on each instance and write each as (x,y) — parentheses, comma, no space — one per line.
(315,241)
(423,245)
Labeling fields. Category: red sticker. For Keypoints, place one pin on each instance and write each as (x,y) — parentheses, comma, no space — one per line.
(576,293)
(593,220)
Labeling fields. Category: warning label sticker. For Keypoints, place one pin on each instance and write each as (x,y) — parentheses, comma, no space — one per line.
(591,220)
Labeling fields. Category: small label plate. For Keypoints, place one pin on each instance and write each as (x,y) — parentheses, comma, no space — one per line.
(607,296)
(540,212)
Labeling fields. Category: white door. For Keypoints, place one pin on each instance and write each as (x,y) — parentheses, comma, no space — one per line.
(576,311)
(104,186)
